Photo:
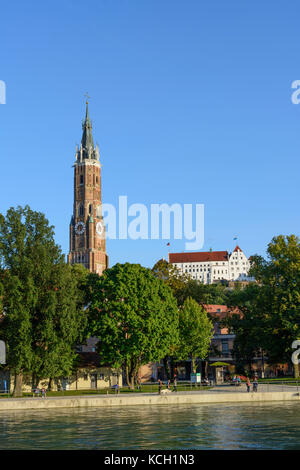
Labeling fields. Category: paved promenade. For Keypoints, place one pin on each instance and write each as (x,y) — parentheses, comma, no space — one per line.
(218,394)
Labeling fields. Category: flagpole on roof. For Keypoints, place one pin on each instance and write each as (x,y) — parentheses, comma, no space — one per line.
(168,245)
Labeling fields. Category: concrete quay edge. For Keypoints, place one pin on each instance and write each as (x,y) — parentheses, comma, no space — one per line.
(143,399)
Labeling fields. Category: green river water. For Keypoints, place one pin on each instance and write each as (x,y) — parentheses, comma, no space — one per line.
(241,426)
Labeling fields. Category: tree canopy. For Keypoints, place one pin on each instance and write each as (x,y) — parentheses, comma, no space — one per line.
(195,332)
(183,286)
(43,310)
(271,307)
(134,315)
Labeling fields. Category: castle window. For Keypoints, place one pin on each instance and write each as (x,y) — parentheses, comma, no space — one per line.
(81,179)
(90,208)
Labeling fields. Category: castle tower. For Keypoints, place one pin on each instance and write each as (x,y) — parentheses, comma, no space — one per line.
(87,231)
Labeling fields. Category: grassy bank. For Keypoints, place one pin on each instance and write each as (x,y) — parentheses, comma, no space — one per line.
(149,388)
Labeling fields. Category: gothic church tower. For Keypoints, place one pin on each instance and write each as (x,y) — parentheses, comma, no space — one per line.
(87,231)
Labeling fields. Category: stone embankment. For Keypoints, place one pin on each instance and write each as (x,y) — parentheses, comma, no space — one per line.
(180,398)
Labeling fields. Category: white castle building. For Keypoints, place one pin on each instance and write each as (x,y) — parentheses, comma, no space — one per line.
(213,266)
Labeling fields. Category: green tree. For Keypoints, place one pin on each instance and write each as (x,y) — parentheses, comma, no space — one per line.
(247,323)
(204,294)
(59,324)
(43,315)
(16,328)
(134,315)
(271,308)
(195,332)
(183,286)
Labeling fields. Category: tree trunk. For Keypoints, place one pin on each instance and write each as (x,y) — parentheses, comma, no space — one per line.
(131,378)
(33,381)
(50,384)
(194,366)
(130,374)
(166,366)
(132,382)
(172,368)
(59,384)
(18,385)
(127,375)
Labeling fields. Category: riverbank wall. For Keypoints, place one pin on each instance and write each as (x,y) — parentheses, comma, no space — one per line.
(105,401)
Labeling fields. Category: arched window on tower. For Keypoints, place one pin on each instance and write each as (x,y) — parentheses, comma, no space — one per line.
(80,210)
(90,209)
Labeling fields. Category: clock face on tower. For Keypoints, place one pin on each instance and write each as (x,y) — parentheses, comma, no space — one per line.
(79,228)
(99,228)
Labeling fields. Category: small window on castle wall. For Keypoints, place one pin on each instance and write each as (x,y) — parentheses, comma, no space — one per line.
(81,179)
(90,209)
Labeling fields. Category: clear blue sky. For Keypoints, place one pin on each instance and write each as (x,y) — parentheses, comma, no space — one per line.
(190,101)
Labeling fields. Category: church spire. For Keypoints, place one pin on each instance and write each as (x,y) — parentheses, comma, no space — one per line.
(87,142)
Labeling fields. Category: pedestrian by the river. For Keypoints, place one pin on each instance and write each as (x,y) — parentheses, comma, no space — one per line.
(159,386)
(248,384)
(169,384)
(175,385)
(37,392)
(255,384)
(43,392)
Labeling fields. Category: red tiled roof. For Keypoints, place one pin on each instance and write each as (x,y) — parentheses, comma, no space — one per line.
(237,248)
(223,310)
(210,308)
(198,256)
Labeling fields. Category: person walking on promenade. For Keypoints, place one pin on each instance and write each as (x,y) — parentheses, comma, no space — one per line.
(255,384)
(175,385)
(169,384)
(248,384)
(43,392)
(159,386)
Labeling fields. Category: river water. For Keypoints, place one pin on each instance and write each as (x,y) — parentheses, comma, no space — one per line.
(240,426)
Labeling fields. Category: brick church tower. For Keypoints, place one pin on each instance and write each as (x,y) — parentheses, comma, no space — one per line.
(87,231)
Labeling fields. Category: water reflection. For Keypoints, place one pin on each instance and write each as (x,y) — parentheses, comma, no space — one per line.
(251,426)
